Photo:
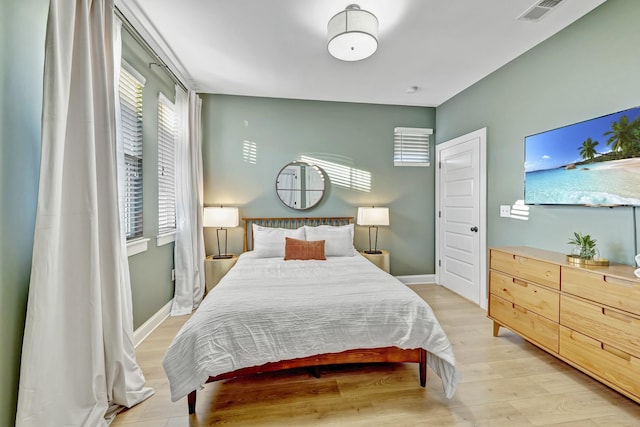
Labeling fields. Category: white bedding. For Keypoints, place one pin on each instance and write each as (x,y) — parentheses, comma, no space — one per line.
(267,310)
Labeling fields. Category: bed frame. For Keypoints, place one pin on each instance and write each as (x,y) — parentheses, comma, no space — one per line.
(369,355)
(291,223)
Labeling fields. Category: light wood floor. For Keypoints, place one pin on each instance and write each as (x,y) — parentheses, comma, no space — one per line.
(505,382)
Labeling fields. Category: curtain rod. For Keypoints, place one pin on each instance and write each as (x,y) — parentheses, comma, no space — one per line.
(136,35)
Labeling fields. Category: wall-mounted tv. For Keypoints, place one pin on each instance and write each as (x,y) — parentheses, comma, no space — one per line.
(595,162)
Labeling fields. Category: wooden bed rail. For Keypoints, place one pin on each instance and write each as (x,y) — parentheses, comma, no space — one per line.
(290,223)
(367,355)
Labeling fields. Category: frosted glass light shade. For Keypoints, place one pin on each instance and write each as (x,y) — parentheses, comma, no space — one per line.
(352,34)
(220,217)
(373,216)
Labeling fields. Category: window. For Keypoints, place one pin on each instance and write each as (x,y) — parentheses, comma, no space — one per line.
(411,146)
(131,84)
(166,166)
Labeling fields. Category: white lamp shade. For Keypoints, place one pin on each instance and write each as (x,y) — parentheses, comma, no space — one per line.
(373,216)
(352,34)
(220,217)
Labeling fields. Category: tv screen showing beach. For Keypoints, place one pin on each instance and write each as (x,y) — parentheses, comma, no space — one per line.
(595,162)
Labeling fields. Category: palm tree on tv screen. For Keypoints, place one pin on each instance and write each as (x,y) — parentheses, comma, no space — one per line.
(624,136)
(588,149)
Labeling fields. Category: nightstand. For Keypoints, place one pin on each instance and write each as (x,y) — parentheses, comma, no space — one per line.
(216,268)
(381,260)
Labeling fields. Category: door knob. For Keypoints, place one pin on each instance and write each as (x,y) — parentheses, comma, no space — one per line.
(474,229)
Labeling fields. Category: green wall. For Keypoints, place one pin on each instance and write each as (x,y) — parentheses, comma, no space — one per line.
(22,29)
(151,284)
(353,136)
(589,69)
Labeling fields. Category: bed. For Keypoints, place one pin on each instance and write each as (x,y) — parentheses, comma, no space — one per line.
(270,314)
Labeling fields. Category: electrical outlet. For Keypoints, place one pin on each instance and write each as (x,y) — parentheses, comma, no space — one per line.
(173,274)
(505,211)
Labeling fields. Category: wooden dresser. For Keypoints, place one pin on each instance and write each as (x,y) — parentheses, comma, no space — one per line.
(588,317)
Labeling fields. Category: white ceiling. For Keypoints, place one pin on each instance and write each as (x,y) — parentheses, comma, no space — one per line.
(278,48)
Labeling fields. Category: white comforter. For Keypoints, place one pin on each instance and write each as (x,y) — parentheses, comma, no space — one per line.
(267,310)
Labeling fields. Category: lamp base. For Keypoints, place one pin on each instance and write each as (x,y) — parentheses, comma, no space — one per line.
(222,256)
(373,252)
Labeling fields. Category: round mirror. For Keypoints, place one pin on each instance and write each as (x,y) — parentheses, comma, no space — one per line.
(300,185)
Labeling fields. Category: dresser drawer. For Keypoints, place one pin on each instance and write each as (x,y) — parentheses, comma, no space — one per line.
(538,299)
(543,273)
(526,323)
(608,325)
(609,363)
(612,291)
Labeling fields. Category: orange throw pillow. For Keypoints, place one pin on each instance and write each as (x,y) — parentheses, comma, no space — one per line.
(303,249)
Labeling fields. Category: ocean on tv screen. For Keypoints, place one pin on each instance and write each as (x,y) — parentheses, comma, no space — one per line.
(594,162)
(616,182)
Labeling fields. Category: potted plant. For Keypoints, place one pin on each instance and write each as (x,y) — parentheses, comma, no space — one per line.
(584,250)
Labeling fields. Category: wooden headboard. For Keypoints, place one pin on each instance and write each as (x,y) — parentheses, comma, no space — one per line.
(292,223)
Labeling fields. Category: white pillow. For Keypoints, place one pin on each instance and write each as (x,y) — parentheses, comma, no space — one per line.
(338,240)
(269,242)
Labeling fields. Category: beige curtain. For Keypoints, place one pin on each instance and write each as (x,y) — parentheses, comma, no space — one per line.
(189,246)
(78,363)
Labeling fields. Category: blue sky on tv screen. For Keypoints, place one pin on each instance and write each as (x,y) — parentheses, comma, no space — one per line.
(559,147)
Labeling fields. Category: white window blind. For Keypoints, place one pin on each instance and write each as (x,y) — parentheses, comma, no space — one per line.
(411,146)
(166,166)
(131,85)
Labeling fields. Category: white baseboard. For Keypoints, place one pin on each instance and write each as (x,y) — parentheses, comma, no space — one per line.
(154,321)
(418,279)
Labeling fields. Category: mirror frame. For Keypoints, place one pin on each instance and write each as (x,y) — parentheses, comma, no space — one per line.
(322,190)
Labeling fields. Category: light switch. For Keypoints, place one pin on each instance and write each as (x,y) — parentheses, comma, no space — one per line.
(505,211)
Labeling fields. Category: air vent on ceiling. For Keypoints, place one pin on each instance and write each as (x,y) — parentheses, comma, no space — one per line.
(538,10)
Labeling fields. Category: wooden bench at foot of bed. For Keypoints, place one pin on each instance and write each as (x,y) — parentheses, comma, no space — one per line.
(373,355)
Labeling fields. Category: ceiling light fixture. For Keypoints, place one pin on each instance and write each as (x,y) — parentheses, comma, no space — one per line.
(353,34)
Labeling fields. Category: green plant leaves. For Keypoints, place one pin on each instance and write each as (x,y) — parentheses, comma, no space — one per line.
(585,245)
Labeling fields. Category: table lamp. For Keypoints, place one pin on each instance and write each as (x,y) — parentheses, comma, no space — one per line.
(373,218)
(222,218)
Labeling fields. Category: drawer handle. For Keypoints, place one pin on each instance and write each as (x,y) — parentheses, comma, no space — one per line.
(520,283)
(616,315)
(616,352)
(520,259)
(614,281)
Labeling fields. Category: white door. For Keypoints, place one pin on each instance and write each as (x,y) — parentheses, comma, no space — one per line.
(461,216)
